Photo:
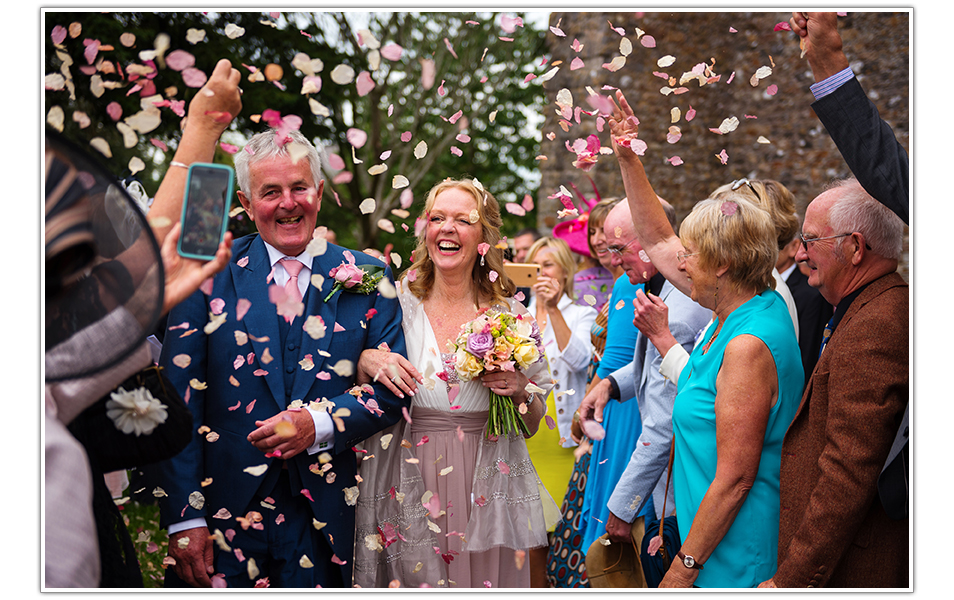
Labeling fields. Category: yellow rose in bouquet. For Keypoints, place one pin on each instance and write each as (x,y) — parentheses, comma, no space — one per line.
(526,355)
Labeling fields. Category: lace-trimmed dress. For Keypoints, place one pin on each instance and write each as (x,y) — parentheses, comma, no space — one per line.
(490,500)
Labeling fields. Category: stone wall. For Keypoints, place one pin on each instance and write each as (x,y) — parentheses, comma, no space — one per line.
(800,153)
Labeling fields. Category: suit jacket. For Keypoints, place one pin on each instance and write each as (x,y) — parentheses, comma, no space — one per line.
(867,144)
(229,389)
(644,476)
(833,529)
(814,312)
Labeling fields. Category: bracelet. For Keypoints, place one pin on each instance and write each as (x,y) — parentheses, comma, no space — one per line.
(176,163)
(530,398)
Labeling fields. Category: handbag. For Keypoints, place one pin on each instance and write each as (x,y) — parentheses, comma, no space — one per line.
(614,565)
(656,566)
(113,450)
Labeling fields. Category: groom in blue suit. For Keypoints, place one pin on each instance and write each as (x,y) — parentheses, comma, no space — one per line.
(265,492)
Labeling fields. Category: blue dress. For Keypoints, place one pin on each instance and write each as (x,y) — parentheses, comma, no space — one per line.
(621,420)
(747,555)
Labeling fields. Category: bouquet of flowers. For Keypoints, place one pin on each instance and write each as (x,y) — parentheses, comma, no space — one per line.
(352,278)
(498,341)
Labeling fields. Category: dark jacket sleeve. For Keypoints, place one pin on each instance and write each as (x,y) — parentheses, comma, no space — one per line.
(868,145)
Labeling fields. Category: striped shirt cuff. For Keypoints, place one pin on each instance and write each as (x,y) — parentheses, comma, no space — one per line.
(827,86)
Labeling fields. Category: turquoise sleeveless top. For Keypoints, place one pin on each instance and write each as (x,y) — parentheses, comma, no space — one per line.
(747,555)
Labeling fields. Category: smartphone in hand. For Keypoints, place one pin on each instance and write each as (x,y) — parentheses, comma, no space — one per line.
(522,274)
(205,210)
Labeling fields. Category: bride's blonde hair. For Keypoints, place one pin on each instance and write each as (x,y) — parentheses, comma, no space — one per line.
(488,211)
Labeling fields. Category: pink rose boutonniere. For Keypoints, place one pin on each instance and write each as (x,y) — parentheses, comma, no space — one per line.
(352,278)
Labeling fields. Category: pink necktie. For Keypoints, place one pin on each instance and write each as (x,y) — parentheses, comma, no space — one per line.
(293,268)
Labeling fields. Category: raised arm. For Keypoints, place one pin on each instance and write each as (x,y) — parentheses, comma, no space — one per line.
(211,110)
(653,230)
(866,142)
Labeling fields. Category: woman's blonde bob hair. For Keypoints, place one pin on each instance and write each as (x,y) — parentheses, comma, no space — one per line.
(488,218)
(562,256)
(733,232)
(773,197)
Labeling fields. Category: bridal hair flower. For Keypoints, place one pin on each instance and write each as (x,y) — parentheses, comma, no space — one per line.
(136,411)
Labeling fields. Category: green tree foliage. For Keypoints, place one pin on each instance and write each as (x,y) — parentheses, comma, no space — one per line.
(485,82)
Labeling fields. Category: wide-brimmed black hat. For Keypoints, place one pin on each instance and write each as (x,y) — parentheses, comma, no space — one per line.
(103,273)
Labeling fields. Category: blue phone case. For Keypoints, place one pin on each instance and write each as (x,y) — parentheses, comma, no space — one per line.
(198,209)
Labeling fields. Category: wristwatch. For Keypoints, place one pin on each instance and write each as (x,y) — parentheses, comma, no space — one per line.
(689,561)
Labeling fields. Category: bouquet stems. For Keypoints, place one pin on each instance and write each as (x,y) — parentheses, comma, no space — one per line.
(504,418)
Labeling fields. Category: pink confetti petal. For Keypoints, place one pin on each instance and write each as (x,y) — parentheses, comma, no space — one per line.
(654,545)
(406,136)
(515,209)
(691,113)
(356,137)
(206,287)
(364,83)
(733,30)
(551,424)
(58,34)
(242,261)
(337,560)
(392,51)
(446,43)
(178,60)
(241,307)
(457,115)
(460,434)
(338,327)
(648,41)
(508,23)
(674,161)
(159,144)
(236,407)
(91,50)
(335,162)
(772,90)
(193,77)
(218,580)
(723,157)
(238,362)
(307,494)
(783,26)
(114,110)
(530,77)
(452,391)
(493,275)
(260,373)
(323,375)
(576,63)
(503,467)
(592,429)
(248,409)
(407,416)
(433,506)
(216,306)
(557,32)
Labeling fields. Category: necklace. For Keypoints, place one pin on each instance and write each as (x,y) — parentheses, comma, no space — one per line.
(712,339)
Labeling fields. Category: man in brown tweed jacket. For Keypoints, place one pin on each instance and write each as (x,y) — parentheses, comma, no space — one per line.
(833,529)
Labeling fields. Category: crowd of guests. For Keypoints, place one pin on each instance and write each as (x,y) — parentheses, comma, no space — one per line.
(321,433)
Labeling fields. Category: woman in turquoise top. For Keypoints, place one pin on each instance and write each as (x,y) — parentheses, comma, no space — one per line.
(741,386)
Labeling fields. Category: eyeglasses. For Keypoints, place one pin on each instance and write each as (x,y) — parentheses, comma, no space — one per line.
(806,241)
(681,256)
(618,251)
(740,182)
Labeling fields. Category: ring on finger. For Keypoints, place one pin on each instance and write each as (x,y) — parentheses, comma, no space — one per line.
(394,379)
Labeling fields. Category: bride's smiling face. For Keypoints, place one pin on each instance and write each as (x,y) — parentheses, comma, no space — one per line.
(453,231)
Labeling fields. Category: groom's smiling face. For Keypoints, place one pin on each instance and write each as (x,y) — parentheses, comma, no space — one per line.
(283,202)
